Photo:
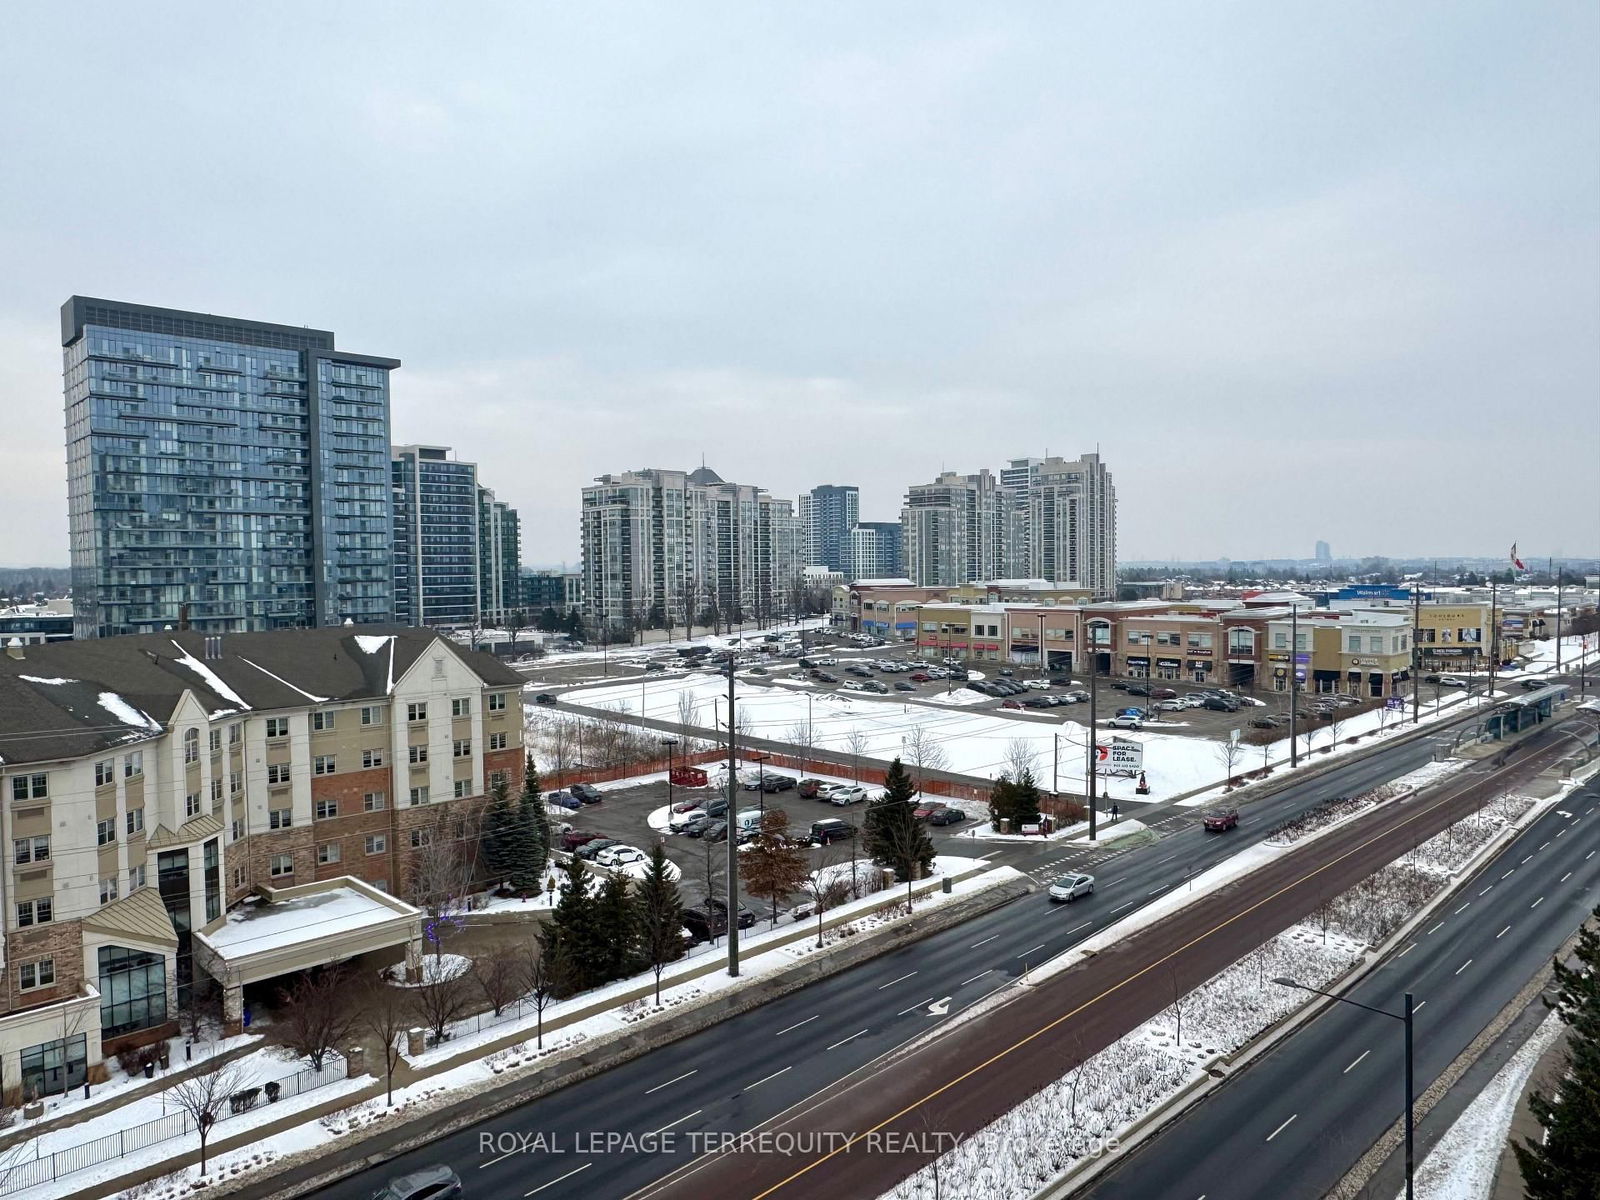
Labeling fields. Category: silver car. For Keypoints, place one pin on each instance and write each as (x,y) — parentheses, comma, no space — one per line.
(437,1182)
(1070,887)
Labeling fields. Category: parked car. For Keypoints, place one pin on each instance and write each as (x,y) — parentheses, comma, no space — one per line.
(1162,693)
(1076,697)
(1070,887)
(1008,703)
(902,686)
(948,816)
(876,686)
(436,1182)
(921,677)
(831,830)
(1265,722)
(1007,671)
(1126,721)
(1219,820)
(564,800)
(777,783)
(850,793)
(810,789)
(574,839)
(824,677)
(589,850)
(715,808)
(747,918)
(758,670)
(927,808)
(1039,684)
(655,666)
(1138,689)
(616,857)
(716,831)
(693,824)
(1035,702)
(544,698)
(1119,686)
(587,792)
(1220,704)
(1532,685)
(1062,681)
(1171,705)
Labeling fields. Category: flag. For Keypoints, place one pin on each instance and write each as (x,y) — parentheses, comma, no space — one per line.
(1515,561)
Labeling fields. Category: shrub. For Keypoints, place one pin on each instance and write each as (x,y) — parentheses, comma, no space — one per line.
(243,1101)
(272,1090)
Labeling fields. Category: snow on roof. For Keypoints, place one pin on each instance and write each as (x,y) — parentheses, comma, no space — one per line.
(127,713)
(290,686)
(41,679)
(370,644)
(208,677)
(254,928)
(887,582)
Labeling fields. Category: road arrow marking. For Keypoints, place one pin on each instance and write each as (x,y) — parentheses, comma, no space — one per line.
(940,1008)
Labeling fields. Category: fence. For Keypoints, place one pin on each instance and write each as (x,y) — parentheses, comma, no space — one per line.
(18,1173)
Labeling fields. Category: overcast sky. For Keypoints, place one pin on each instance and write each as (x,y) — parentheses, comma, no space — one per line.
(1300,271)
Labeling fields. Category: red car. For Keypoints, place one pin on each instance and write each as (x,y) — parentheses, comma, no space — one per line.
(1220,820)
(927,808)
(1011,704)
(921,677)
(573,838)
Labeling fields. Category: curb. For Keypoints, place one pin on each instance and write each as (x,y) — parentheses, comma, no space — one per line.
(313,1169)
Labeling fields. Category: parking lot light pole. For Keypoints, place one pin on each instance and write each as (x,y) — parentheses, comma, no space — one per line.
(669,743)
(761,781)
(1405,1017)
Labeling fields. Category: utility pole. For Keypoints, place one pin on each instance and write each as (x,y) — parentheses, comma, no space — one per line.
(1494,635)
(1294,681)
(1094,751)
(1558,621)
(1416,654)
(733,834)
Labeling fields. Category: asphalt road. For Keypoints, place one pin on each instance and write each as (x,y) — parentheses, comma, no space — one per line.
(1294,1122)
(748,1069)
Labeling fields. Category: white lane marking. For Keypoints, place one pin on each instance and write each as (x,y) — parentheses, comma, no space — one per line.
(1524,861)
(892,982)
(985,941)
(1406,951)
(1436,928)
(1588,856)
(1025,953)
(1417,1007)
(1075,928)
(851,1038)
(797,1024)
(1355,1064)
(975,978)
(1503,932)
(557,1180)
(496,1159)
(1565,877)
(1537,902)
(1463,966)
(1486,891)
(1120,907)
(764,1078)
(679,1121)
(1541,847)
(1559,834)
(1509,873)
(1462,909)
(670,1082)
(914,1007)
(1280,1128)
(1162,888)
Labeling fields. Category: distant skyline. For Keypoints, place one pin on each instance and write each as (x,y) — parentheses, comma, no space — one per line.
(1298,273)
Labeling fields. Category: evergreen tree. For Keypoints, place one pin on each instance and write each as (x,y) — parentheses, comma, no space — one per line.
(572,948)
(892,835)
(616,929)
(534,818)
(573,623)
(499,832)
(1003,802)
(659,912)
(1024,801)
(1565,1163)
(549,620)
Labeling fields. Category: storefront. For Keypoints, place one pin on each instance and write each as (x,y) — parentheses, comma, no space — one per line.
(1200,669)
(1168,668)
(1138,667)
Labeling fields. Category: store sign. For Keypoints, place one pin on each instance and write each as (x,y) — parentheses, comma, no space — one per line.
(1138,662)
(1120,758)
(1169,662)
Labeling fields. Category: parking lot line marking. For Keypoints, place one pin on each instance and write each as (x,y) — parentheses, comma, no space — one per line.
(1025,953)
(1461,968)
(892,982)
(975,978)
(764,1078)
(1537,902)
(985,941)
(679,1121)
(1355,1064)
(1280,1128)
(1503,932)
(851,1038)
(557,1180)
(797,1024)
(670,1082)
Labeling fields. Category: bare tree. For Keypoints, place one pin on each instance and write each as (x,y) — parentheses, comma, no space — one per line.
(804,735)
(924,753)
(1178,997)
(689,718)
(201,1020)
(499,977)
(1336,719)
(203,1096)
(440,880)
(823,887)
(560,739)
(438,1000)
(1228,752)
(317,1015)
(858,741)
(384,1013)
(1020,757)
(545,975)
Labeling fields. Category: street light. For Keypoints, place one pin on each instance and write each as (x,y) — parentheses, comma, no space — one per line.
(1405,1017)
(761,781)
(669,743)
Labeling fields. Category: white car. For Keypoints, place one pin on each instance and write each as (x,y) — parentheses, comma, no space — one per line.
(1126,721)
(854,685)
(1171,705)
(826,660)
(1454,681)
(849,793)
(1069,887)
(1193,700)
(619,857)
(1037,684)
(678,822)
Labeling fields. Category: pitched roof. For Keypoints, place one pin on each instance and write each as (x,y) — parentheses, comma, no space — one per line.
(68,699)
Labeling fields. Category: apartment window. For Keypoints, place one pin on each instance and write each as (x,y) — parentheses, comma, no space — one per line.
(462,707)
(103,773)
(280,818)
(215,741)
(135,820)
(238,829)
(216,792)
(235,784)
(376,843)
(419,795)
(463,788)
(277,727)
(105,832)
(417,711)
(133,764)
(108,889)
(326,809)
(372,758)
(136,878)
(497,702)
(421,838)
(461,748)
(419,754)
(191,746)
(235,732)
(374,802)
(238,877)
(280,865)
(36,974)
(277,773)
(30,787)
(31,850)
(327,853)
(496,778)
(35,912)
(322,719)
(191,804)
(497,741)
(322,764)
(372,714)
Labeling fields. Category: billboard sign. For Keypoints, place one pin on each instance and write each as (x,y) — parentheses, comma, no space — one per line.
(1394,703)
(1120,758)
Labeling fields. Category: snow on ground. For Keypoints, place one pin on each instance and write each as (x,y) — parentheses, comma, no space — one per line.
(1053,1130)
(436,968)
(1542,655)
(1462,1165)
(959,698)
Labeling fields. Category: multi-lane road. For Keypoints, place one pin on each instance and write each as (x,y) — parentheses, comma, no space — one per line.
(625,1128)
(1296,1121)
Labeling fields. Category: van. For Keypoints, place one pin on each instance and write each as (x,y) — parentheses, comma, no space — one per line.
(749,820)
(831,830)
